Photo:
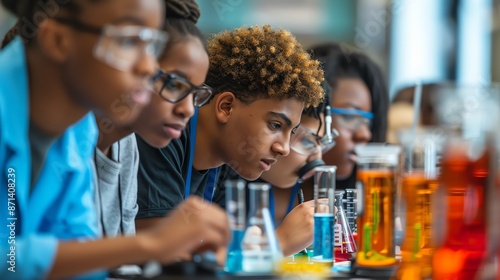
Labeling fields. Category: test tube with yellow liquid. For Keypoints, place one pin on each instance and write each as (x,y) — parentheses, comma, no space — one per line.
(377,175)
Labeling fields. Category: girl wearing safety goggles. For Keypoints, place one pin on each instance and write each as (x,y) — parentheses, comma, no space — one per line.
(359,102)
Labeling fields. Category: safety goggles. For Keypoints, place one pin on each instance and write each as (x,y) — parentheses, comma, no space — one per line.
(173,88)
(352,119)
(306,142)
(122,47)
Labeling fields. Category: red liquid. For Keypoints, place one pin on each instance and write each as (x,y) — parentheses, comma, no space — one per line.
(464,182)
(342,254)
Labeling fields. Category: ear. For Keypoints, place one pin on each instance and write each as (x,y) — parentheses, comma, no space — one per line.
(54,40)
(224,104)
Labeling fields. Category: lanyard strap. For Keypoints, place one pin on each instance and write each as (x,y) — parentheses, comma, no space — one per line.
(290,203)
(212,173)
(210,186)
(193,123)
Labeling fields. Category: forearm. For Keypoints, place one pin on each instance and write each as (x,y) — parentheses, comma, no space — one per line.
(144,224)
(75,257)
(283,241)
(292,244)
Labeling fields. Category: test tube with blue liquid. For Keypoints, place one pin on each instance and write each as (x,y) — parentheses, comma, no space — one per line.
(236,212)
(324,215)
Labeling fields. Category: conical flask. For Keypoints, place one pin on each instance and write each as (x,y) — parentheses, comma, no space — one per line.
(260,248)
(236,212)
(345,244)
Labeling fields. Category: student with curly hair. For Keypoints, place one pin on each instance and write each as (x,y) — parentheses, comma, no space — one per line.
(262,80)
(293,220)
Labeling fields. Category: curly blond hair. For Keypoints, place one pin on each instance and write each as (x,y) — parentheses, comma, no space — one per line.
(259,62)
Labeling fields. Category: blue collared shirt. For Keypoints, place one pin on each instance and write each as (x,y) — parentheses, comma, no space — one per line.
(61,205)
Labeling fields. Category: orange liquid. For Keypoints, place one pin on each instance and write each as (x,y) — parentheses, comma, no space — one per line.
(465,240)
(417,248)
(376,223)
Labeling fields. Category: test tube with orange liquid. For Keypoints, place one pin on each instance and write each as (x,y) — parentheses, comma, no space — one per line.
(376,175)
(422,149)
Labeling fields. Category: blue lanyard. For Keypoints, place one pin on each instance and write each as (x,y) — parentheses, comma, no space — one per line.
(290,203)
(212,173)
(210,186)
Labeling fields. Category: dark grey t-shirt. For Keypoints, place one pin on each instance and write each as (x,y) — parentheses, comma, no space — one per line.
(162,176)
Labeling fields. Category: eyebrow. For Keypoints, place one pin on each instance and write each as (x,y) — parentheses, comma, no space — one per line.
(282,116)
(129,19)
(179,73)
(185,76)
(349,104)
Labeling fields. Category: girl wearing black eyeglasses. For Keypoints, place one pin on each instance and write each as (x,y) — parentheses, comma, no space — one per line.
(178,87)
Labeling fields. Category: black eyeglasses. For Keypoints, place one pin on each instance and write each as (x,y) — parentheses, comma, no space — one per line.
(174,88)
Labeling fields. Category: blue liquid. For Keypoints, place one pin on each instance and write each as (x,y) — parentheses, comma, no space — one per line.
(234,258)
(323,237)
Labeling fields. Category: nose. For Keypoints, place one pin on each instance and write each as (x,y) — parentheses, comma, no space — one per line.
(362,135)
(147,65)
(282,147)
(185,107)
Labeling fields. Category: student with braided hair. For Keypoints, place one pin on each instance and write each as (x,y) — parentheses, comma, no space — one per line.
(82,55)
(178,89)
(262,79)
(11,34)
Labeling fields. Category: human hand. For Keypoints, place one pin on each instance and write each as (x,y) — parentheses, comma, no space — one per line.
(194,227)
(296,231)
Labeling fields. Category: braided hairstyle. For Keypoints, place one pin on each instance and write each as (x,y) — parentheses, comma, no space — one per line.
(180,23)
(260,62)
(11,34)
(338,64)
(31,12)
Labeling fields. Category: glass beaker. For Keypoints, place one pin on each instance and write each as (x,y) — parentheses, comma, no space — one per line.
(236,212)
(422,149)
(377,173)
(345,244)
(260,248)
(462,197)
(466,183)
(324,199)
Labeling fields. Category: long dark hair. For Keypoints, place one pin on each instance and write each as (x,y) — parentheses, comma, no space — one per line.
(338,63)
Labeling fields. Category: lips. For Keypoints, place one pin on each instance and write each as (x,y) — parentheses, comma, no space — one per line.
(265,164)
(173,130)
(352,156)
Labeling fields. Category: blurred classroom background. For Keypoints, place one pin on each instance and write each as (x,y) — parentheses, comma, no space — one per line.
(414,41)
